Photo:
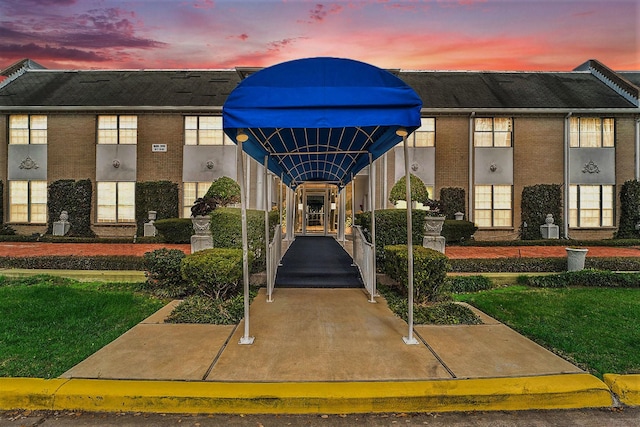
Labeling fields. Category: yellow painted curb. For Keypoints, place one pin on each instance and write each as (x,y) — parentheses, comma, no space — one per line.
(28,393)
(626,387)
(546,392)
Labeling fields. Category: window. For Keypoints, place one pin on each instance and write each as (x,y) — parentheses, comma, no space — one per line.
(591,132)
(117,129)
(204,130)
(25,129)
(28,198)
(424,136)
(116,201)
(492,132)
(192,191)
(28,201)
(493,206)
(591,205)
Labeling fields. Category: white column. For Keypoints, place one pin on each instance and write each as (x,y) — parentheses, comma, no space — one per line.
(267,240)
(245,339)
(409,339)
(372,192)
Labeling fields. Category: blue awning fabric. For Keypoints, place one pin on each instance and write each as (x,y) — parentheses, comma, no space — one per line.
(318,119)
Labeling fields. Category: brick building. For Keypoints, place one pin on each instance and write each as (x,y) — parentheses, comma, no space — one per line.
(490,133)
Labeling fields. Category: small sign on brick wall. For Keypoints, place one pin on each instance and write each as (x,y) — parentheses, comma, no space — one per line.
(159,148)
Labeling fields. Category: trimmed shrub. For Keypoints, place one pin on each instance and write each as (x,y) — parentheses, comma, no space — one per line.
(215,273)
(458,231)
(629,210)
(452,200)
(164,278)
(462,284)
(175,230)
(441,313)
(75,198)
(224,191)
(159,196)
(589,278)
(538,201)
(391,228)
(540,265)
(419,191)
(200,309)
(73,262)
(430,269)
(226,230)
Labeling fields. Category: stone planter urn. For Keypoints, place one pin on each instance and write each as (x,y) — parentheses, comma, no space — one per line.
(576,258)
(201,225)
(433,225)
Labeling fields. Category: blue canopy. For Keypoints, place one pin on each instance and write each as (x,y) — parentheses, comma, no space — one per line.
(318,119)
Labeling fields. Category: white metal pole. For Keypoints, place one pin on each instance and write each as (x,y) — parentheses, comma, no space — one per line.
(267,240)
(246,339)
(567,167)
(353,207)
(410,339)
(372,202)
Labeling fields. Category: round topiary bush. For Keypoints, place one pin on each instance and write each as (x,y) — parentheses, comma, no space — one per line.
(419,191)
(224,191)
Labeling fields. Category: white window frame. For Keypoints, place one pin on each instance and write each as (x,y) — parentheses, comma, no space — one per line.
(187,198)
(123,129)
(28,129)
(26,197)
(485,128)
(592,132)
(205,130)
(117,207)
(495,207)
(579,206)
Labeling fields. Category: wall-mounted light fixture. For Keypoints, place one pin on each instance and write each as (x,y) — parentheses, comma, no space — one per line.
(241,136)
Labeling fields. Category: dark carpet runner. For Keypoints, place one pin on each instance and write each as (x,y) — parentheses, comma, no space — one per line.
(317,262)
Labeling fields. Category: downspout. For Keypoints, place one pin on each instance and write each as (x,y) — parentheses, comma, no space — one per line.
(566,174)
(637,175)
(470,195)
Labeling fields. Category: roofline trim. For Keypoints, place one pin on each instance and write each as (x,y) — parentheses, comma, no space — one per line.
(424,110)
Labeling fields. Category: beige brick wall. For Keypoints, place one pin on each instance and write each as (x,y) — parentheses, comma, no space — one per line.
(71,151)
(452,153)
(160,129)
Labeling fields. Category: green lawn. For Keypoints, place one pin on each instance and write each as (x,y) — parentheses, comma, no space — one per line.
(597,329)
(47,325)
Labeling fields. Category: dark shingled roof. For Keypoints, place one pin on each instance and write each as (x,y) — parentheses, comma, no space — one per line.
(120,88)
(632,76)
(564,90)
(210,88)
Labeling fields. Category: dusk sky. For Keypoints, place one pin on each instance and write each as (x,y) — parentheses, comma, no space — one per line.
(540,35)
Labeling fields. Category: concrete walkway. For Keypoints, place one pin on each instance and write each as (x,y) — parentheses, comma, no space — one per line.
(318,335)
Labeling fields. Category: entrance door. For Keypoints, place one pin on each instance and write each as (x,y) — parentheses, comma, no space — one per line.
(316,212)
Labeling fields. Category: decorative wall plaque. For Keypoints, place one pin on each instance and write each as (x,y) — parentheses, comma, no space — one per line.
(414,167)
(116,163)
(590,167)
(28,163)
(209,164)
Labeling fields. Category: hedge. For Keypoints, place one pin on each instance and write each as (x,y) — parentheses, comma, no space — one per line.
(215,273)
(452,200)
(391,228)
(74,262)
(175,230)
(540,265)
(226,230)
(430,269)
(462,284)
(159,196)
(629,210)
(164,278)
(456,231)
(590,278)
(75,198)
(538,201)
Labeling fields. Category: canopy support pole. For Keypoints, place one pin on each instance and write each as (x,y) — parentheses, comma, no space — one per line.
(410,339)
(372,202)
(266,229)
(245,339)
(342,195)
(353,205)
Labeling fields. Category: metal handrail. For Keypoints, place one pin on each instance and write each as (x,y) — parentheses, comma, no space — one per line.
(363,253)
(275,255)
